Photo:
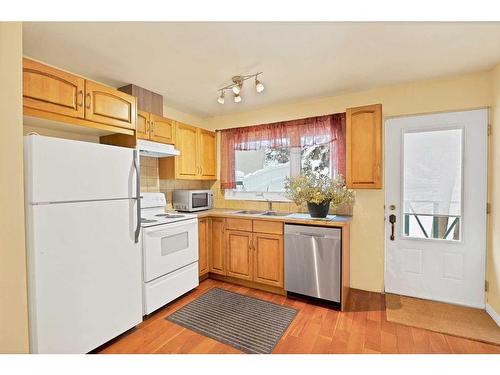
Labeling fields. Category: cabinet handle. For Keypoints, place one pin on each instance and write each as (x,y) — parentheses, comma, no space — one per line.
(152,126)
(250,245)
(79,102)
(87,104)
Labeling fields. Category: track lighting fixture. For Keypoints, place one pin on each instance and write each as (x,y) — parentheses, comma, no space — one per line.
(237,85)
(259,87)
(220,99)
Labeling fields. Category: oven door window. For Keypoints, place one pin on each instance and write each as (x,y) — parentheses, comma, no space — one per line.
(174,243)
(199,200)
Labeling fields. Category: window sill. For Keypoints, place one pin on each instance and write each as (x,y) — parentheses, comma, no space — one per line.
(255,196)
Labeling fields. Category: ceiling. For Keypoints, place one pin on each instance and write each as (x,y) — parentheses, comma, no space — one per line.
(188,62)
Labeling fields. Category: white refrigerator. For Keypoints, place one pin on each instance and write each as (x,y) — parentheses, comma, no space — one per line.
(84,259)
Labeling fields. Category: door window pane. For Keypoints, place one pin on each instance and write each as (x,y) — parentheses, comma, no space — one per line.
(432,191)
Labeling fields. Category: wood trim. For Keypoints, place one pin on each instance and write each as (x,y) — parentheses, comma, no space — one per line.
(75,121)
(118,139)
(248,284)
(356,142)
(345,269)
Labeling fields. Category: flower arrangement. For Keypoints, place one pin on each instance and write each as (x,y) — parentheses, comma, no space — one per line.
(318,190)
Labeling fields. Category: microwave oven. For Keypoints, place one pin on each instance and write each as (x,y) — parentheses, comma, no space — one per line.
(192,200)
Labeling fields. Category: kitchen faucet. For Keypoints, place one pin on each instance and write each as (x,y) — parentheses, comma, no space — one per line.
(269,202)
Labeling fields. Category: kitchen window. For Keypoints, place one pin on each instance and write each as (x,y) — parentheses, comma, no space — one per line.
(256,160)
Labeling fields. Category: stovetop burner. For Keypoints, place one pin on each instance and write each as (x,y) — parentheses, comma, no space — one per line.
(170,216)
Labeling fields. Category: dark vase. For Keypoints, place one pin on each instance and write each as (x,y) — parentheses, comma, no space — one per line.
(318,210)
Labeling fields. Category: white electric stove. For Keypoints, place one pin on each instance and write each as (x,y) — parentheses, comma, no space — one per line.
(170,252)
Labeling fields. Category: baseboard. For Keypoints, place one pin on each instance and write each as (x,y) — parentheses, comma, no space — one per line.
(494,315)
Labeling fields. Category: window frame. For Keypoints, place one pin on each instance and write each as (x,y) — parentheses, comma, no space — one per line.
(295,168)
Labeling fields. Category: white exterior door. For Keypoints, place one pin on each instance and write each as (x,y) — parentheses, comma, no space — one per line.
(435,202)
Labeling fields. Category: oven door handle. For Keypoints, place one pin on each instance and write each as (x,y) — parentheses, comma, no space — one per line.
(138,196)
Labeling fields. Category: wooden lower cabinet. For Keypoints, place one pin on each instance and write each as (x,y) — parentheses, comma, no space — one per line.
(239,254)
(217,250)
(203,245)
(235,251)
(268,259)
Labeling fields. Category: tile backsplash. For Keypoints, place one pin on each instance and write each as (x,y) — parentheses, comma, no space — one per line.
(150,181)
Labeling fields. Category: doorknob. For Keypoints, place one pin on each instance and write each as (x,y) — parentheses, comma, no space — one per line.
(392,220)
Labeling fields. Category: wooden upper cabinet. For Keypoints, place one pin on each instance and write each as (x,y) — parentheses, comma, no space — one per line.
(109,106)
(217,254)
(142,125)
(203,245)
(239,254)
(162,129)
(208,156)
(364,147)
(197,159)
(186,165)
(268,259)
(52,90)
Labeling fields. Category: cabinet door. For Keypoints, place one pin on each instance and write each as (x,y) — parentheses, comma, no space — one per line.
(208,158)
(364,147)
(109,106)
(217,263)
(142,129)
(162,129)
(52,90)
(239,254)
(186,164)
(203,245)
(268,259)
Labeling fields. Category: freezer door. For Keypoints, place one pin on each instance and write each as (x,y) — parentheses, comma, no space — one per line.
(60,170)
(85,281)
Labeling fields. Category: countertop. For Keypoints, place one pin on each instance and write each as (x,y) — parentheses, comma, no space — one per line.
(292,218)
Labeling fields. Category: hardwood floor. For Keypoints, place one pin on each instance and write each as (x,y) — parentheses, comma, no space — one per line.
(316,329)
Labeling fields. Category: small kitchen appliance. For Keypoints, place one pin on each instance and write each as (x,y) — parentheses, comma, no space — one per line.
(192,200)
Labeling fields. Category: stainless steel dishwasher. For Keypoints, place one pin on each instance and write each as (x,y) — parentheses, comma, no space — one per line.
(312,261)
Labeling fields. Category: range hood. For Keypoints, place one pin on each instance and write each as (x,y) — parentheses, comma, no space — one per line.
(155,149)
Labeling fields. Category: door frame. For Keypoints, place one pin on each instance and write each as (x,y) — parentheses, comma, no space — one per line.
(385,174)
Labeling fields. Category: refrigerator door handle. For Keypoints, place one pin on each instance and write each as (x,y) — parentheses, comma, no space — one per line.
(138,195)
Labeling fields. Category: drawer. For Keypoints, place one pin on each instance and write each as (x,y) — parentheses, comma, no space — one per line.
(239,224)
(169,287)
(270,227)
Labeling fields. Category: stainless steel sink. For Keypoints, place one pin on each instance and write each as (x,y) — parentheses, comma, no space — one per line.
(261,213)
(275,213)
(249,212)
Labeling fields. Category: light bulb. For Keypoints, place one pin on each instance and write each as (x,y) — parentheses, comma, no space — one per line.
(236,89)
(259,86)
(237,98)
(220,99)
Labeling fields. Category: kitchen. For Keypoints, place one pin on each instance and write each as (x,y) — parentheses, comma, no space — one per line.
(168,232)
